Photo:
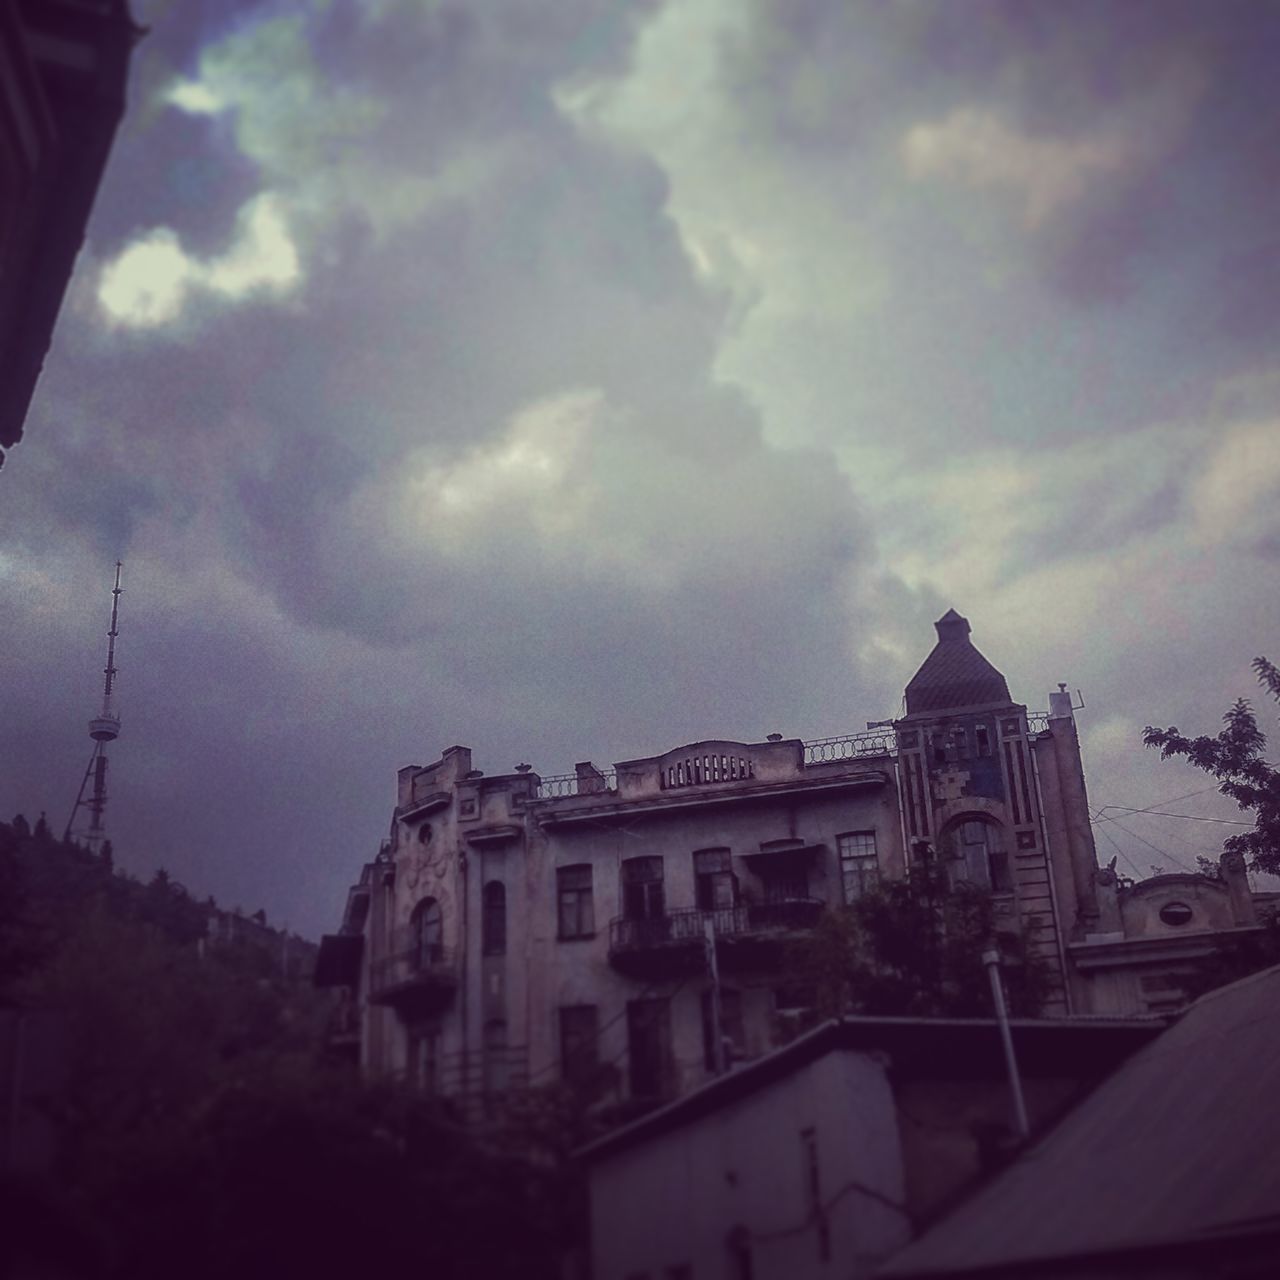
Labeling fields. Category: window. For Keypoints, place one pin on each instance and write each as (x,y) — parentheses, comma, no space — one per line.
(573,885)
(495,1057)
(493,920)
(732,1036)
(642,897)
(859,866)
(649,1047)
(1176,913)
(717,887)
(579,1054)
(424,1059)
(425,932)
(976,848)
(982,736)
(424,833)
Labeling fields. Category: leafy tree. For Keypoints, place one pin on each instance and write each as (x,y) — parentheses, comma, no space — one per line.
(1235,758)
(914,947)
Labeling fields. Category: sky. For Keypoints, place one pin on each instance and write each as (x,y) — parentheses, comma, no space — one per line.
(579,379)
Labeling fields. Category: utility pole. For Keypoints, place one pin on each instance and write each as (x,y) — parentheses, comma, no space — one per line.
(991,958)
(713,970)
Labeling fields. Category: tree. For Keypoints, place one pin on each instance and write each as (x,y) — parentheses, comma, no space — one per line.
(914,947)
(1235,758)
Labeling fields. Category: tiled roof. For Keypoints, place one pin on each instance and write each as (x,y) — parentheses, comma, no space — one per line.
(955,674)
(1177,1147)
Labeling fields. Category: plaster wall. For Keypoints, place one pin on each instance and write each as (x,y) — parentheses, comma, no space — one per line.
(746,1168)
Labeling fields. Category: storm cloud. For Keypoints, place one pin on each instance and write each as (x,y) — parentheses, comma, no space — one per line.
(579,379)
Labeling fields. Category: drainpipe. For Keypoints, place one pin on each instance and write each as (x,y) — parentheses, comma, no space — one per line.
(991,958)
(1053,892)
(463,940)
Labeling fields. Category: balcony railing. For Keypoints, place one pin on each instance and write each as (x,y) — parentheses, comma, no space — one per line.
(572,784)
(422,978)
(686,927)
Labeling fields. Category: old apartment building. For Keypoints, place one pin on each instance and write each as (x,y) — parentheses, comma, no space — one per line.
(519,929)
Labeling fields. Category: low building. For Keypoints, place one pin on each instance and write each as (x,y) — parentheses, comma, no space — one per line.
(1167,1171)
(1155,937)
(521,930)
(826,1156)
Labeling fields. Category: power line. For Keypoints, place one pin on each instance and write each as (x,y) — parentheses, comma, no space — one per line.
(1161,813)
(1164,853)
(1121,853)
(1170,800)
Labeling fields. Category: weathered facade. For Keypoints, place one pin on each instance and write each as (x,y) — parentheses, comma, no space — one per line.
(523,929)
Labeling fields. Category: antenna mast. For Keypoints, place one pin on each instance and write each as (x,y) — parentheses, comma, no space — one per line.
(103,728)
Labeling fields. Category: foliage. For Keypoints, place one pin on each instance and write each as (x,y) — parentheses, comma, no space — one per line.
(914,947)
(1234,757)
(199,1131)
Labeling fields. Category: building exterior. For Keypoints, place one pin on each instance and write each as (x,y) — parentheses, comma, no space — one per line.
(1153,937)
(1167,1171)
(826,1156)
(596,927)
(63,67)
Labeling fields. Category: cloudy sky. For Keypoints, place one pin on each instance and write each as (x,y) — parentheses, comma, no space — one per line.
(580,378)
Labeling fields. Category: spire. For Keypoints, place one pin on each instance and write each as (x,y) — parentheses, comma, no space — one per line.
(103,728)
(955,674)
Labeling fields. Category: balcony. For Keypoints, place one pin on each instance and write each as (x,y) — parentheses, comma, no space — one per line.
(748,936)
(416,982)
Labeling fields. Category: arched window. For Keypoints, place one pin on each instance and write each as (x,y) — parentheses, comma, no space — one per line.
(975,848)
(426,932)
(493,921)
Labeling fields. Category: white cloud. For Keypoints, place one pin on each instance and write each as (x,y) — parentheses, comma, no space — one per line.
(980,149)
(151,281)
(196,97)
(1236,495)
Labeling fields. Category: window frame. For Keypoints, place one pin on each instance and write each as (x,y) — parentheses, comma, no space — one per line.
(575,903)
(858,860)
(493,919)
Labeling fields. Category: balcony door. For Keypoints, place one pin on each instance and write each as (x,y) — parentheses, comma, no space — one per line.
(717,886)
(426,934)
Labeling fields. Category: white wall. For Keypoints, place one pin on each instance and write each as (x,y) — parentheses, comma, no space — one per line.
(673,1200)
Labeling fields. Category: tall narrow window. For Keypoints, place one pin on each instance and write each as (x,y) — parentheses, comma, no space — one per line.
(859,865)
(642,896)
(425,932)
(573,886)
(493,921)
(579,1044)
(716,884)
(732,1034)
(424,1059)
(495,1057)
(977,854)
(649,1047)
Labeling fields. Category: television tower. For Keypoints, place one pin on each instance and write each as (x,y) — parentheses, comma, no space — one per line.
(103,728)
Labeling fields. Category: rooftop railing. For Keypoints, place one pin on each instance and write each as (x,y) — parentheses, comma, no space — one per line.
(845,746)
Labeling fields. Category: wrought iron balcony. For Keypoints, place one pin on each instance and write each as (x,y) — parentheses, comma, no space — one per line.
(747,935)
(417,981)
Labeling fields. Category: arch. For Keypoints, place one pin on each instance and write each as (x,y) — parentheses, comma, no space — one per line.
(426,932)
(493,919)
(976,852)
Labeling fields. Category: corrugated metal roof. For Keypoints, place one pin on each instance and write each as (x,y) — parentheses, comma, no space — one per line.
(955,674)
(1180,1144)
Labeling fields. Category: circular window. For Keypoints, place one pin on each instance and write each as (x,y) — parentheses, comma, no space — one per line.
(424,833)
(1176,913)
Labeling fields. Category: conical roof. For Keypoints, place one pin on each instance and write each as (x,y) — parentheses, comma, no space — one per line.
(955,674)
